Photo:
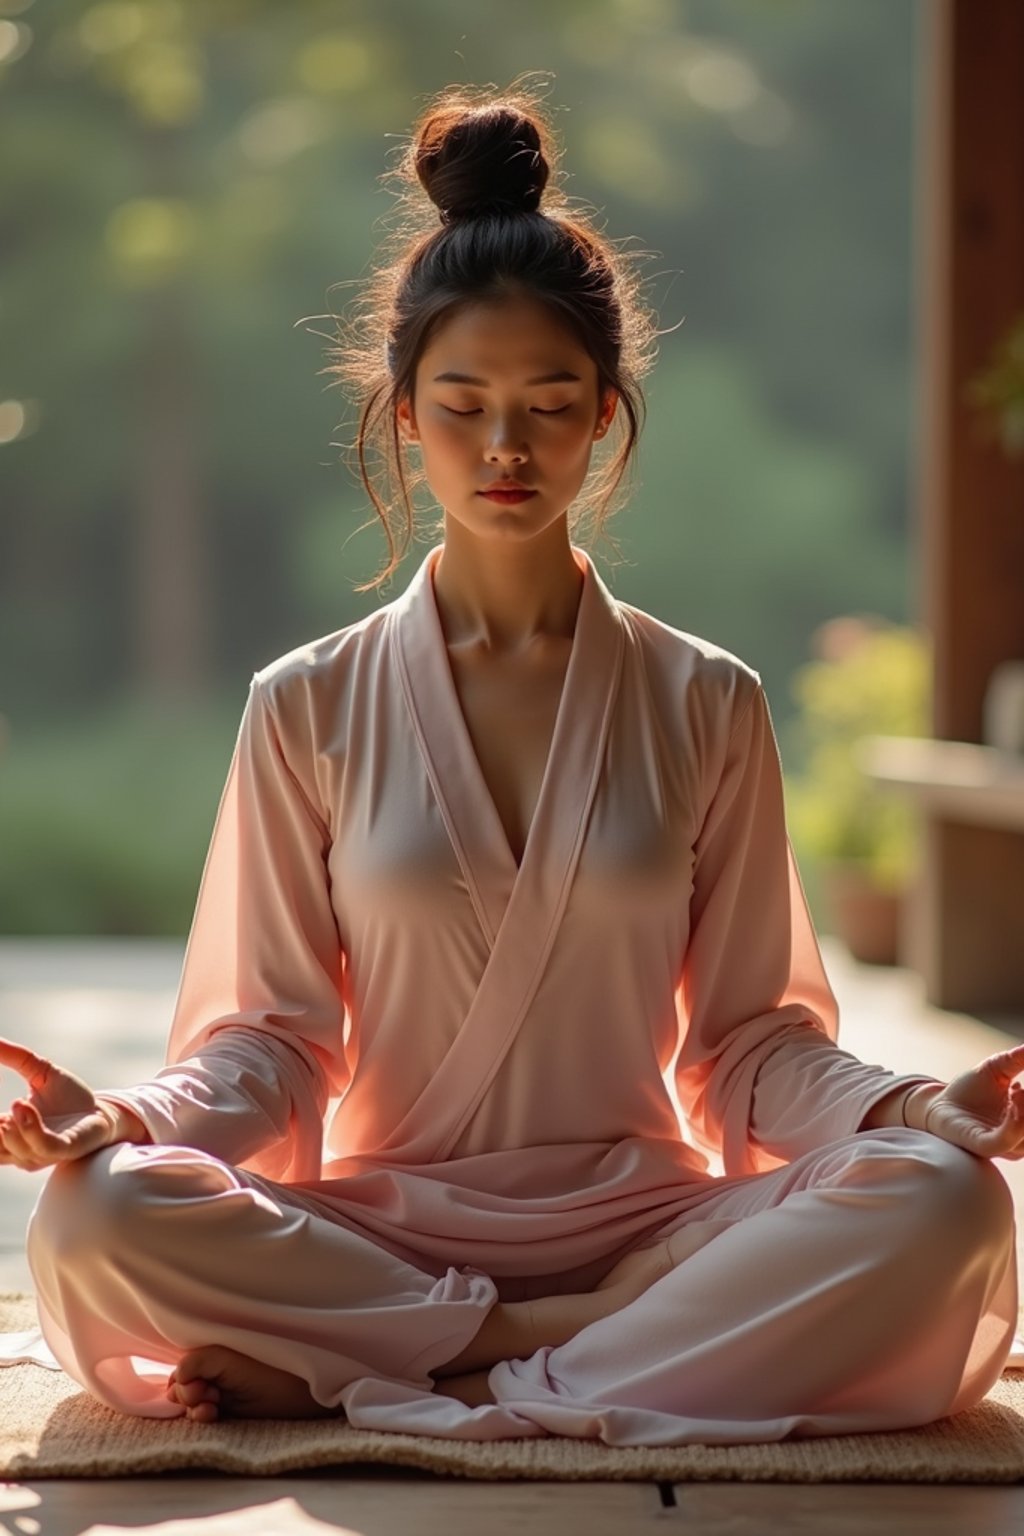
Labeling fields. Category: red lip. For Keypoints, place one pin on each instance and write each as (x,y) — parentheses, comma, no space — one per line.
(505,485)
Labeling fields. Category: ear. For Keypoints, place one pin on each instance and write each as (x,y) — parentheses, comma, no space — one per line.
(604,421)
(406,420)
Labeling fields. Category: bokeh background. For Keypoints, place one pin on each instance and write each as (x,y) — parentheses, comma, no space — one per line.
(188,192)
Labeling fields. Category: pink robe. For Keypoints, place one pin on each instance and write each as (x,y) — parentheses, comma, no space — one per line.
(406,1078)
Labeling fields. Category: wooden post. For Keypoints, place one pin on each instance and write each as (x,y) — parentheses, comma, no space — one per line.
(967,927)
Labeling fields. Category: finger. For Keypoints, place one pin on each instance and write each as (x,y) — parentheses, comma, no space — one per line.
(12,1138)
(1006,1141)
(1009,1062)
(45,1146)
(35,1134)
(41,1144)
(18,1149)
(10,1142)
(34,1069)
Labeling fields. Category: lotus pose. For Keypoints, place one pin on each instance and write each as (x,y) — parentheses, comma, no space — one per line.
(499,939)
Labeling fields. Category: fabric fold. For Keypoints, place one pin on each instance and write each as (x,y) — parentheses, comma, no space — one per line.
(396,1058)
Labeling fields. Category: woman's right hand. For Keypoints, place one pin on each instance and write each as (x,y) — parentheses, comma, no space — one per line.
(57,1121)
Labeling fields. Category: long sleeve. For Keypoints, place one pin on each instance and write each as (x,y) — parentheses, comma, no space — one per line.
(256,1048)
(760,1076)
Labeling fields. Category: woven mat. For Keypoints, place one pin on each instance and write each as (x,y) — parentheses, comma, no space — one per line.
(50,1427)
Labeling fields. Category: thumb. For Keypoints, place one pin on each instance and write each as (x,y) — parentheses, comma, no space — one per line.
(79,1135)
(1006,1065)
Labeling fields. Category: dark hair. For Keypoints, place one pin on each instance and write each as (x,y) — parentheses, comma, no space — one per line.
(486,158)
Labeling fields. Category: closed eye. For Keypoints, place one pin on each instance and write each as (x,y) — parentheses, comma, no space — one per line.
(452,412)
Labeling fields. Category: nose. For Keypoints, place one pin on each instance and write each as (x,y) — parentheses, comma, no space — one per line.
(505,445)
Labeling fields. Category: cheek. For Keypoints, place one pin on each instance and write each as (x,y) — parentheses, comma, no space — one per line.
(577,443)
(568,443)
(447,440)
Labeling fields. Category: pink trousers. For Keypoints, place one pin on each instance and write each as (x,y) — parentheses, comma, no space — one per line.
(869,1285)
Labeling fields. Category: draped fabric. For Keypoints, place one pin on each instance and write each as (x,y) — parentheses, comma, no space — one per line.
(498,1076)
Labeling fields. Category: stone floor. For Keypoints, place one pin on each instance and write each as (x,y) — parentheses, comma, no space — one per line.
(103,1008)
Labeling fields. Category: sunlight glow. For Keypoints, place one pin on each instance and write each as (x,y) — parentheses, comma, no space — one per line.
(15,41)
(277,130)
(18,418)
(166,82)
(768,121)
(279,1517)
(720,81)
(15,1496)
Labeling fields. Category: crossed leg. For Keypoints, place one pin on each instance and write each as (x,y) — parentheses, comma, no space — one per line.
(136,1249)
(216,1382)
(143,1256)
(868,1285)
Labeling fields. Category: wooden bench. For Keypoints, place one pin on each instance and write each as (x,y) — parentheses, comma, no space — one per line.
(965,922)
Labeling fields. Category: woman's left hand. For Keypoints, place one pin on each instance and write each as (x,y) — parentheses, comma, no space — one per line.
(983,1110)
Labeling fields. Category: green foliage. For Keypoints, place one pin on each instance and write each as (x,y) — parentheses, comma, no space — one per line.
(104,825)
(739,517)
(873,680)
(183,184)
(998,392)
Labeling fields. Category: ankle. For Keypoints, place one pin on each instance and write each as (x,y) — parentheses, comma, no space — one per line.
(554,1320)
(503,1335)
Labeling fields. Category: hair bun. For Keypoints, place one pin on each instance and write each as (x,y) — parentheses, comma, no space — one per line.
(487,159)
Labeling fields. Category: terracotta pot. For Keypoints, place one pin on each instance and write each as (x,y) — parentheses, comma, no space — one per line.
(868,919)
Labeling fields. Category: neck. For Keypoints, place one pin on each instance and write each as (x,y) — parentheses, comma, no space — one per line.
(502,597)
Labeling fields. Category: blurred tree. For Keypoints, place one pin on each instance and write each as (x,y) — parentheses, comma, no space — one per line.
(183,181)
(184,189)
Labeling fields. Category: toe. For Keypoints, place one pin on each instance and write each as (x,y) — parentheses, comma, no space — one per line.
(196,1362)
(190,1383)
(206,1365)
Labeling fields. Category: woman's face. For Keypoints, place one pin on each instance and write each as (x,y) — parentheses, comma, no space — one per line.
(505,424)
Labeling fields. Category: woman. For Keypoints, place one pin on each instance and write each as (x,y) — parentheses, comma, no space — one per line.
(496,870)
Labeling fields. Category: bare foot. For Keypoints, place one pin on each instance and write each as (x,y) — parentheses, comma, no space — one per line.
(216,1382)
(634,1274)
(558,1318)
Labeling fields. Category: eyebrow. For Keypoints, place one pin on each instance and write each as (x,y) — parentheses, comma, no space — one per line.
(563,376)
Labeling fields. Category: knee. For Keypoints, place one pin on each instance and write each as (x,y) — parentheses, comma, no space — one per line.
(965,1194)
(82,1207)
(969,1191)
(95,1204)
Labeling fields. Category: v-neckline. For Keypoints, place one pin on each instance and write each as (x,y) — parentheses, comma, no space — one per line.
(471,752)
(570,771)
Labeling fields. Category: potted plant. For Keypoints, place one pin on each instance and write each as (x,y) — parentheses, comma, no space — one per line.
(997,393)
(870,677)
